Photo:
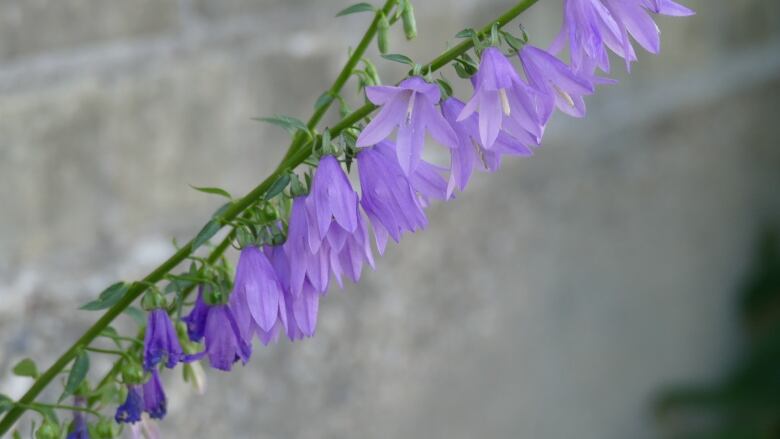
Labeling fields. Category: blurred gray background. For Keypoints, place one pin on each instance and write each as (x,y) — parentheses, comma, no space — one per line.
(552,300)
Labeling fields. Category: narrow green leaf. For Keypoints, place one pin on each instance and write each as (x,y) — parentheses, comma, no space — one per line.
(108,298)
(324,99)
(213,190)
(136,314)
(26,368)
(358,7)
(209,230)
(397,57)
(446,89)
(289,123)
(77,374)
(278,186)
(218,213)
(514,42)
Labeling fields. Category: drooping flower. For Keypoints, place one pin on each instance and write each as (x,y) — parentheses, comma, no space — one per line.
(196,319)
(130,411)
(667,7)
(350,257)
(302,308)
(161,341)
(309,264)
(504,102)
(224,341)
(387,196)
(79,427)
(470,151)
(155,402)
(256,289)
(410,107)
(589,29)
(559,85)
(331,199)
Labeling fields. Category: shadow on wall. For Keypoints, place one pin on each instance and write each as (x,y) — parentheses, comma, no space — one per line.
(746,403)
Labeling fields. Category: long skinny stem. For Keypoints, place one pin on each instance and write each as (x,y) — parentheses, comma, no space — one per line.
(294,157)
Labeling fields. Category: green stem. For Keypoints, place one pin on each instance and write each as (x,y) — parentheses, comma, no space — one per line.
(294,157)
(37,406)
(106,351)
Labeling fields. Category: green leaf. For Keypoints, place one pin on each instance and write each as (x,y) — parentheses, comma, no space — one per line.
(77,374)
(358,7)
(210,229)
(397,57)
(289,123)
(213,190)
(324,99)
(26,368)
(6,403)
(465,33)
(136,314)
(108,298)
(278,186)
(445,87)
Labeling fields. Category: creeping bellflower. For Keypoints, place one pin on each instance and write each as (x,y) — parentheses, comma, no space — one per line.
(504,102)
(130,411)
(470,151)
(559,85)
(331,199)
(309,264)
(79,428)
(161,341)
(225,343)
(411,108)
(388,197)
(155,402)
(196,319)
(355,250)
(256,289)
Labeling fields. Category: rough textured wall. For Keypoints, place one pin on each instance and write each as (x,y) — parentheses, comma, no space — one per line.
(549,301)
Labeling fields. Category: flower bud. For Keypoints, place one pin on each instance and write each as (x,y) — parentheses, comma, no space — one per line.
(104,429)
(383,28)
(48,430)
(153,300)
(132,373)
(372,73)
(407,16)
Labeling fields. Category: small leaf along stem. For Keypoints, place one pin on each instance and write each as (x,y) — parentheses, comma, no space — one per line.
(298,152)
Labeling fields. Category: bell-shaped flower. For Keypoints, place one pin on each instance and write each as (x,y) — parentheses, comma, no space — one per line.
(470,153)
(161,341)
(256,289)
(331,199)
(130,411)
(225,343)
(409,107)
(350,257)
(302,308)
(387,196)
(79,428)
(504,102)
(559,85)
(155,403)
(309,264)
(589,29)
(196,319)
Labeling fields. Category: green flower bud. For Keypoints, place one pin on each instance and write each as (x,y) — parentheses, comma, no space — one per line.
(104,429)
(372,73)
(48,430)
(410,25)
(382,31)
(153,300)
(132,373)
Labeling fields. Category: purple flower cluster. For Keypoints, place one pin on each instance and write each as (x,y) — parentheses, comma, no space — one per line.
(149,398)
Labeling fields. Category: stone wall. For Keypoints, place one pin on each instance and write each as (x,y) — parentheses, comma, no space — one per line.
(549,301)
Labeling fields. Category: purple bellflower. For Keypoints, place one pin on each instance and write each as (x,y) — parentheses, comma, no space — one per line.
(155,402)
(196,319)
(589,29)
(161,341)
(356,250)
(470,151)
(388,197)
(79,427)
(309,264)
(411,108)
(504,102)
(559,85)
(130,411)
(256,289)
(331,199)
(224,342)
